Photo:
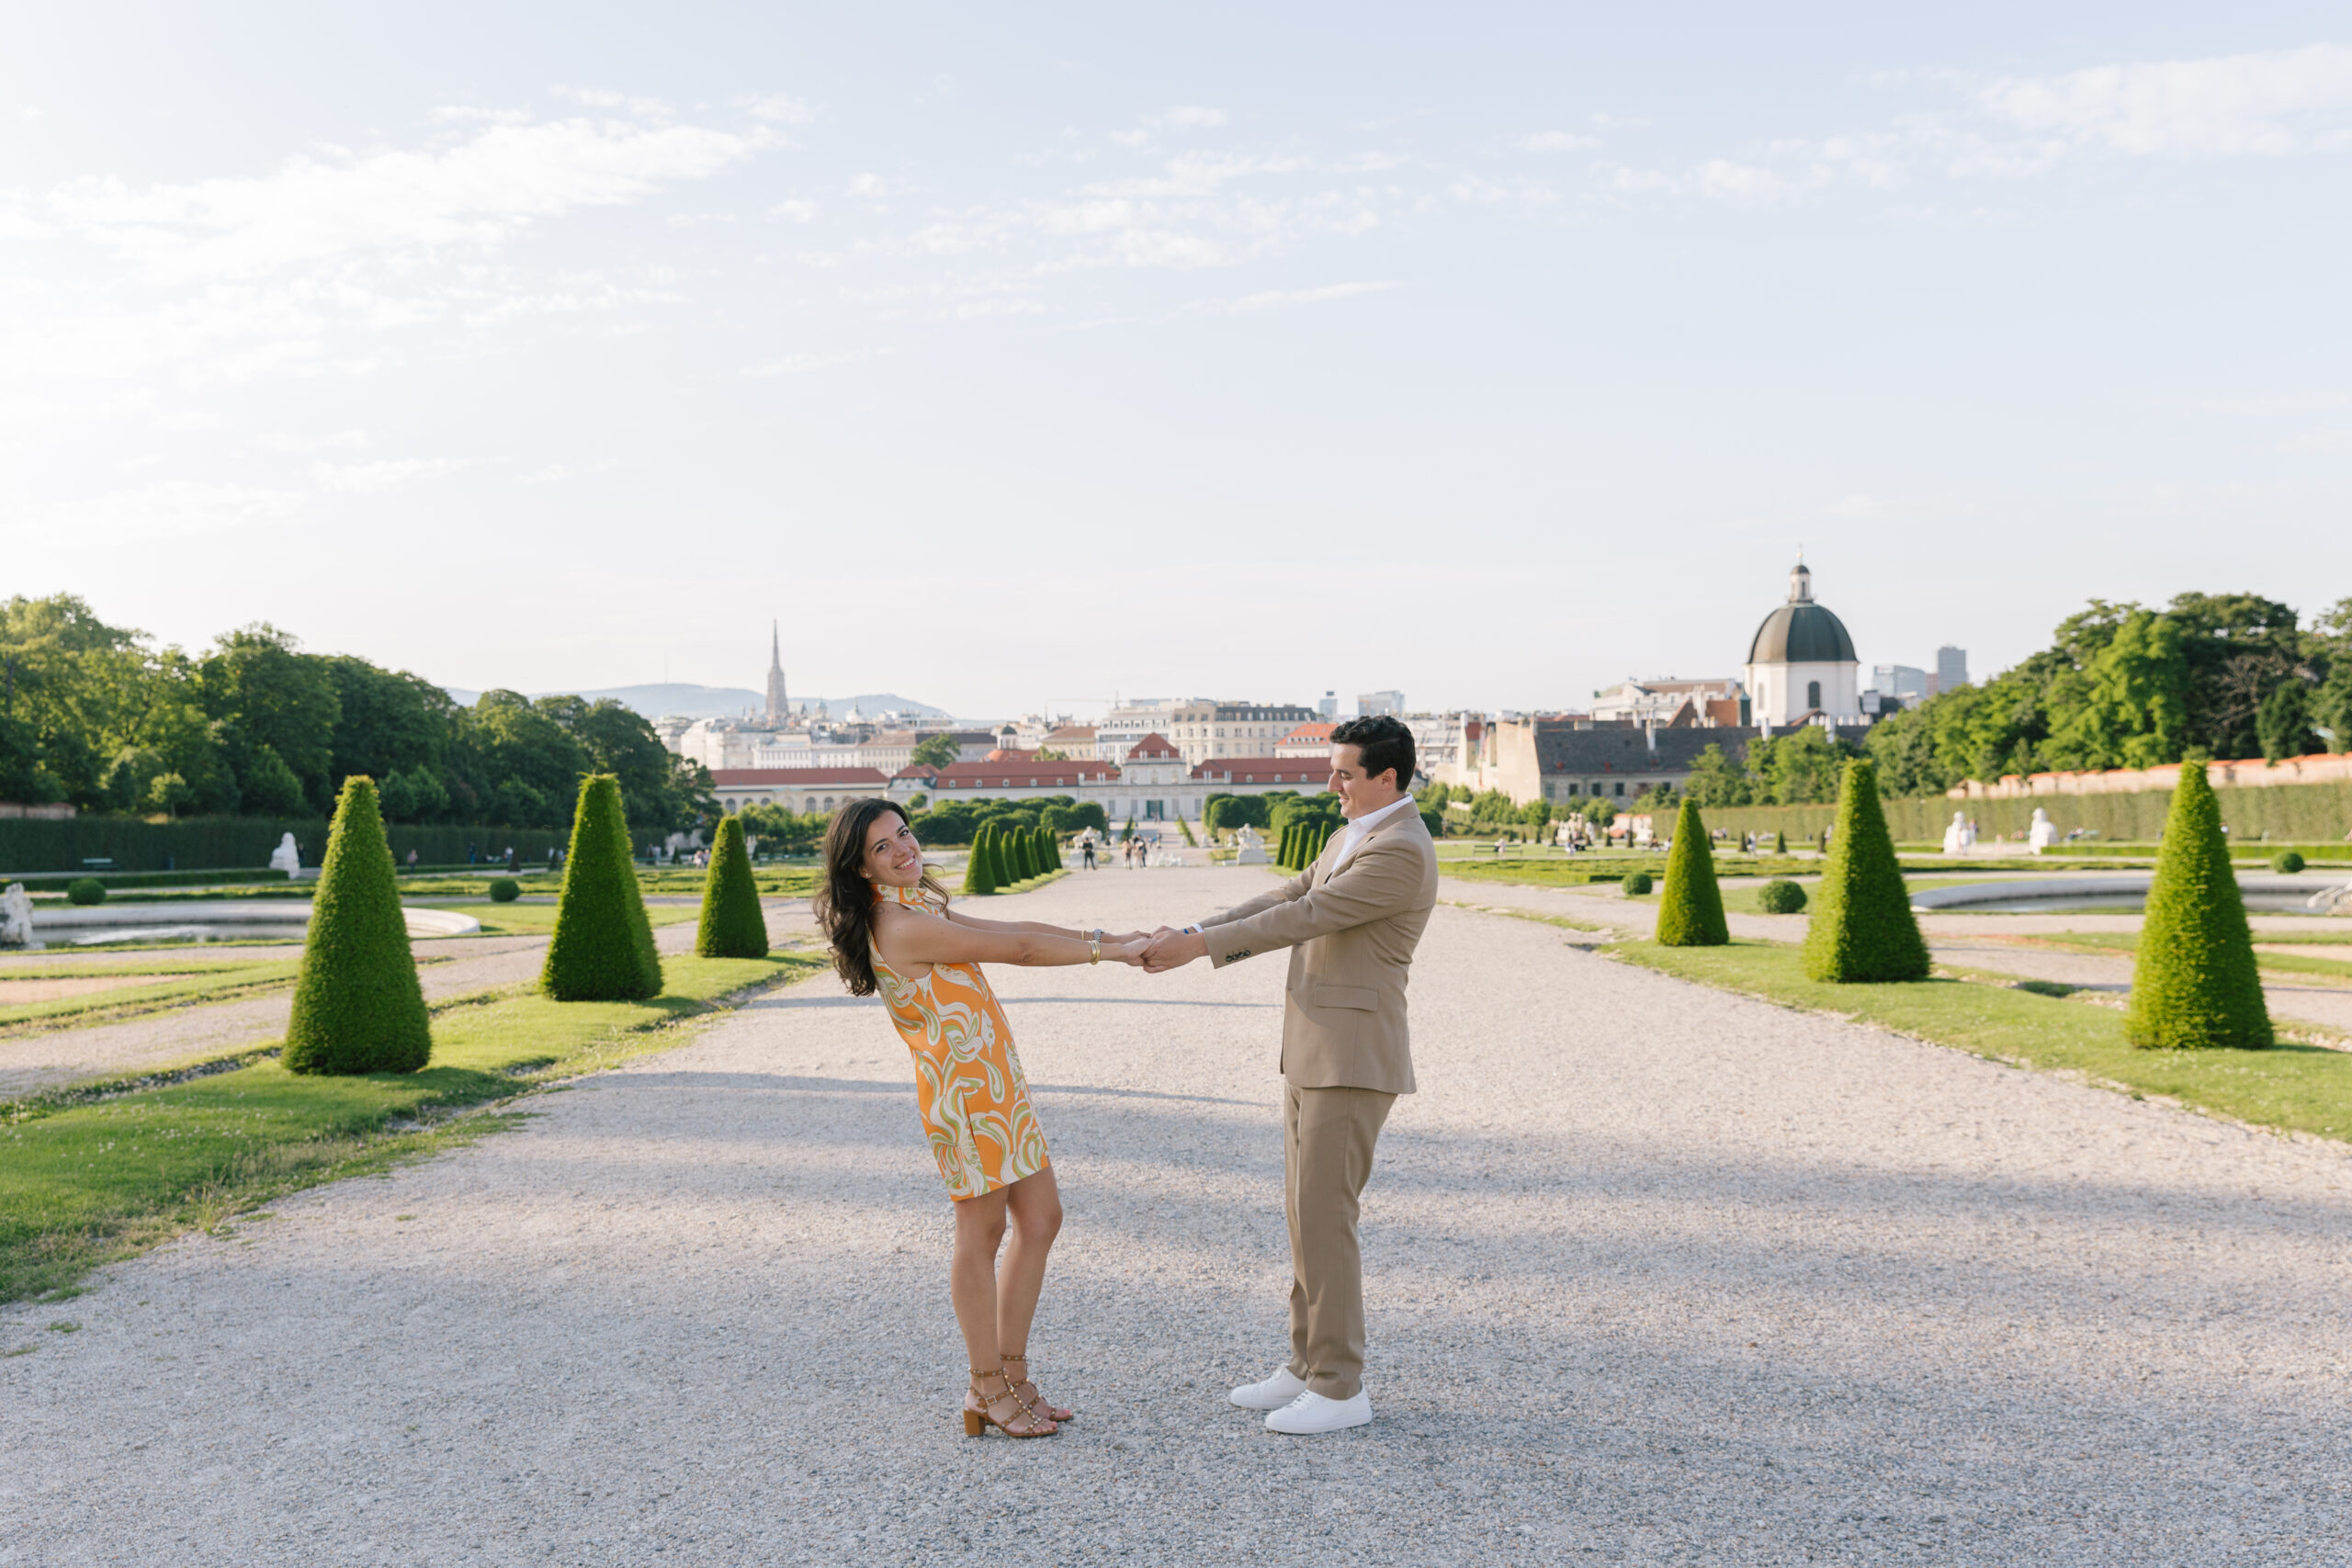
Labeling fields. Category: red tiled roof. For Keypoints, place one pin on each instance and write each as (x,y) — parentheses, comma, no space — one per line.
(1012,754)
(1024,775)
(1264,770)
(794,778)
(917,771)
(1320,730)
(1154,747)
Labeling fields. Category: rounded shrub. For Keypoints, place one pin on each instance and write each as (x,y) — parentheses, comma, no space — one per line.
(1780,897)
(2194,983)
(88,890)
(1691,912)
(602,947)
(358,1006)
(1637,882)
(732,923)
(504,890)
(1863,930)
(2286,862)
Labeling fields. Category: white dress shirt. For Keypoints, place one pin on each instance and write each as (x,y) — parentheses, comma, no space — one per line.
(1360,829)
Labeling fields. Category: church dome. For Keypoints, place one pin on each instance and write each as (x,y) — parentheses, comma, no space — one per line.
(1802,632)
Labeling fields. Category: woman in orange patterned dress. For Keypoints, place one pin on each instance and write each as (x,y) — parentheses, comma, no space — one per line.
(893,933)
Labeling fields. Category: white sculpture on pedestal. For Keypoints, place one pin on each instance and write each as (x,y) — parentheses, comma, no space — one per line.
(2043,833)
(1252,851)
(1960,838)
(285,857)
(16,918)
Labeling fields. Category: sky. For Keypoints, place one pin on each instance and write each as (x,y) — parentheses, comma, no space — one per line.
(1026,357)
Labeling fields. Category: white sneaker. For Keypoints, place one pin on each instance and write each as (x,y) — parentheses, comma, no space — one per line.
(1272,1394)
(1311,1411)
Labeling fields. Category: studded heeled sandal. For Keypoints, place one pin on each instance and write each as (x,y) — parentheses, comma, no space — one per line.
(1026,1391)
(1030,1422)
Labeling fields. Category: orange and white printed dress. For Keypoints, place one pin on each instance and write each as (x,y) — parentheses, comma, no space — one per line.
(969,1081)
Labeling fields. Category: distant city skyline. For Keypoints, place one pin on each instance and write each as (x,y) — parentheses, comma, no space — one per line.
(1490,353)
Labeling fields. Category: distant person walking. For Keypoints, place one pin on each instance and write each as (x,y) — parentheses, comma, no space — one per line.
(412,862)
(1087,845)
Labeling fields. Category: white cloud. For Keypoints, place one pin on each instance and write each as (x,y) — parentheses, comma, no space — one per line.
(1556,142)
(1191,118)
(554,473)
(169,509)
(802,363)
(1278,298)
(796,211)
(384,475)
(318,207)
(604,98)
(779,109)
(2268,104)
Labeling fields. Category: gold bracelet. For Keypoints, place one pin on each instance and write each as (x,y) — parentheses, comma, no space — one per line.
(1094,948)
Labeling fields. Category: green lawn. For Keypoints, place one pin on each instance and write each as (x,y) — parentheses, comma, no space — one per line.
(538,919)
(81,1185)
(2279,962)
(2306,1088)
(174,984)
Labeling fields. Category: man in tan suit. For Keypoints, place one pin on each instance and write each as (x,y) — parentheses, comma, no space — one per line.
(1352,921)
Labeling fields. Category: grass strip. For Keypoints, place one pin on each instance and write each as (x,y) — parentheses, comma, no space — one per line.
(178,990)
(2295,1088)
(538,919)
(89,1184)
(2279,962)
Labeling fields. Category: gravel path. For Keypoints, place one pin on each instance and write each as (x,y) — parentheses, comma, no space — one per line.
(452,966)
(1657,1274)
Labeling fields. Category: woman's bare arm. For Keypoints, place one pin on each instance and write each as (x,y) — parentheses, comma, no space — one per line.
(906,937)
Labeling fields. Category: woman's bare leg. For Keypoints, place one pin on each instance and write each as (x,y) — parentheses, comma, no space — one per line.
(972,1284)
(1035,1207)
(971,1279)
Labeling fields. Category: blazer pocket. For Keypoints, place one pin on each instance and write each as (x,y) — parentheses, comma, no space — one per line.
(1362,997)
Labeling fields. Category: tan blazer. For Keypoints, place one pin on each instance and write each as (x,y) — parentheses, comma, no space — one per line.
(1351,936)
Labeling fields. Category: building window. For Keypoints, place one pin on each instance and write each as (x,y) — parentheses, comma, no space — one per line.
(1621,787)
(1572,787)
(1812,693)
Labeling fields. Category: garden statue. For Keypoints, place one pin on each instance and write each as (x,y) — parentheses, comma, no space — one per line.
(2043,833)
(16,918)
(1252,851)
(1960,838)
(285,857)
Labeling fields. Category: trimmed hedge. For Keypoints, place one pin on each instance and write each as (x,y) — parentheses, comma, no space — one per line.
(732,923)
(2194,983)
(1636,883)
(602,947)
(1780,897)
(358,1006)
(977,880)
(35,844)
(1862,930)
(1691,912)
(2286,862)
(504,890)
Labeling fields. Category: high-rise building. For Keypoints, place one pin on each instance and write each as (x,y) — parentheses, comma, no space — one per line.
(1329,706)
(1898,680)
(1370,702)
(1951,668)
(779,713)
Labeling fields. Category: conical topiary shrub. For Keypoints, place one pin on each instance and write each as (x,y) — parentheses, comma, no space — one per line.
(358,1006)
(1042,842)
(1690,913)
(1779,843)
(732,923)
(1024,854)
(2195,984)
(603,948)
(978,881)
(1862,930)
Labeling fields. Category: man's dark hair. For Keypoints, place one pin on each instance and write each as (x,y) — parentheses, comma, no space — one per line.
(1383,742)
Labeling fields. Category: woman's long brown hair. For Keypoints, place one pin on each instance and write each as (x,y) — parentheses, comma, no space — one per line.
(844,905)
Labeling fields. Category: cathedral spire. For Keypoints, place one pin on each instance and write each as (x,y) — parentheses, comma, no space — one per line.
(778,712)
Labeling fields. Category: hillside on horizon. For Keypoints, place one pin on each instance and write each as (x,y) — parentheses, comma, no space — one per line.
(714,701)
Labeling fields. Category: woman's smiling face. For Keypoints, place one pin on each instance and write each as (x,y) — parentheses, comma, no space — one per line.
(893,857)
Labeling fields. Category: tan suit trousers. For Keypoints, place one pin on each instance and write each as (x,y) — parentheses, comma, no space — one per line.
(1328,1138)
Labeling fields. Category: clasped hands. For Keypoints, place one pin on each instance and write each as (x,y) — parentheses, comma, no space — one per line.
(1159,951)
